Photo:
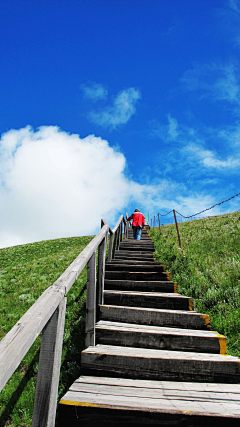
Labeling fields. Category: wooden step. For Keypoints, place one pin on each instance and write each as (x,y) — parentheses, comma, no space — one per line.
(153,276)
(119,402)
(147,286)
(134,262)
(141,248)
(137,243)
(165,365)
(162,338)
(155,317)
(154,267)
(157,300)
(136,255)
(143,237)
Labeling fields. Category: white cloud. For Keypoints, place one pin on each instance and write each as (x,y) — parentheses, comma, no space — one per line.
(227,87)
(124,106)
(172,127)
(167,132)
(209,159)
(220,83)
(55,185)
(95,91)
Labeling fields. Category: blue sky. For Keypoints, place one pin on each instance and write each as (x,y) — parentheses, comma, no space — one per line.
(109,105)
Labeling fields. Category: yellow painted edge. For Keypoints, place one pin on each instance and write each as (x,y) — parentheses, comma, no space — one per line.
(175,287)
(190,302)
(168,275)
(164,267)
(206,317)
(74,403)
(223,343)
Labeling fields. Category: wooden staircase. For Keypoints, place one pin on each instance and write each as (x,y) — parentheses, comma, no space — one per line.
(155,360)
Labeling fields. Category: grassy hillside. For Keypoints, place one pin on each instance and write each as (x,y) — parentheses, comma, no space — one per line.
(25,272)
(207,269)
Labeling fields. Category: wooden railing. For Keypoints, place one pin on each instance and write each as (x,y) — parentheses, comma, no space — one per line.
(47,315)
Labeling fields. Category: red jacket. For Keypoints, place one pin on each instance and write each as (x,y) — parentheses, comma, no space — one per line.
(138,219)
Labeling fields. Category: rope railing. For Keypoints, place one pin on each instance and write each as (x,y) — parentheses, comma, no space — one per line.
(157,217)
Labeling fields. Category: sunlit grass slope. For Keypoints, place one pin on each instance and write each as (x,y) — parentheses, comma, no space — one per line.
(25,272)
(207,269)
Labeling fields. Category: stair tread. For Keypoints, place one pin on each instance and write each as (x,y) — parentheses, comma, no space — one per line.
(150,294)
(156,329)
(146,353)
(156,396)
(158,310)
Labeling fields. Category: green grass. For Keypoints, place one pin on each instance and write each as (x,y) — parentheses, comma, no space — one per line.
(25,272)
(207,269)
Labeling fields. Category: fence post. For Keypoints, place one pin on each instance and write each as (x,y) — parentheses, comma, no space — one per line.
(159,221)
(110,247)
(151,222)
(177,228)
(45,402)
(101,268)
(121,231)
(118,236)
(114,245)
(91,301)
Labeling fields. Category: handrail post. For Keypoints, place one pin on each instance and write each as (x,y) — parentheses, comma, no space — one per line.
(127,226)
(101,268)
(91,301)
(45,402)
(110,247)
(118,236)
(121,231)
(114,245)
(159,221)
(177,228)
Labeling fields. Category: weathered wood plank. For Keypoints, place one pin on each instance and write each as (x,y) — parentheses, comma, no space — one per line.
(166,385)
(154,267)
(141,363)
(153,276)
(19,339)
(45,402)
(110,247)
(148,299)
(154,396)
(101,269)
(143,336)
(91,301)
(158,317)
(148,286)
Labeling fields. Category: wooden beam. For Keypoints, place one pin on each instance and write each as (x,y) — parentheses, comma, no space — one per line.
(45,402)
(91,301)
(101,268)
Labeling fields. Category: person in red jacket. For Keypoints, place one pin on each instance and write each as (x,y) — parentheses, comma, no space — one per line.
(137,224)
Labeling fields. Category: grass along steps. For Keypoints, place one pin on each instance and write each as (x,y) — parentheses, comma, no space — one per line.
(207,269)
(25,272)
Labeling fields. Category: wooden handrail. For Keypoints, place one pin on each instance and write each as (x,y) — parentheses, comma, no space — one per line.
(118,223)
(47,314)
